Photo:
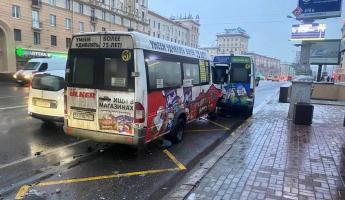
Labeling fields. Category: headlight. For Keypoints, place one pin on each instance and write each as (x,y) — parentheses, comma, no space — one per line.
(28,76)
(14,76)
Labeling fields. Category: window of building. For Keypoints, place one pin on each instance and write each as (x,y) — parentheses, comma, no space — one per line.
(68,4)
(103,14)
(37,38)
(113,19)
(104,29)
(68,23)
(81,26)
(35,19)
(81,8)
(154,24)
(52,20)
(92,12)
(112,4)
(52,2)
(53,40)
(17,35)
(154,34)
(15,11)
(93,27)
(142,15)
(159,35)
(164,74)
(68,42)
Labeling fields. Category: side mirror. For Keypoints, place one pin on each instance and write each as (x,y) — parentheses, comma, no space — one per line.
(43,67)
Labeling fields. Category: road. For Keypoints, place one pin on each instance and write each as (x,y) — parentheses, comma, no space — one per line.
(44,163)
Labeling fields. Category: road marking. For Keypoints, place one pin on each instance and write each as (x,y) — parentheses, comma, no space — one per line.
(22,192)
(42,154)
(78,180)
(13,107)
(7,97)
(217,124)
(204,130)
(173,158)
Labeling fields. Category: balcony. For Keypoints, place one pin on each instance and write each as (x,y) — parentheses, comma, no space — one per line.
(36,25)
(36,3)
(93,19)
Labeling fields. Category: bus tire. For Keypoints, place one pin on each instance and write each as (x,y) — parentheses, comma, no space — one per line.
(176,134)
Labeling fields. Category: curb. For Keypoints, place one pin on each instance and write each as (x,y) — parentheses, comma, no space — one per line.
(192,181)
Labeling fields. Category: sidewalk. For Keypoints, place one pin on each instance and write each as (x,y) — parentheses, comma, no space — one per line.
(275,159)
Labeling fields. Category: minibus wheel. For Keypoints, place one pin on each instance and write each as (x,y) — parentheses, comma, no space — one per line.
(176,135)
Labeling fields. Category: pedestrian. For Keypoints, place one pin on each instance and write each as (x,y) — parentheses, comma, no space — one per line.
(328,79)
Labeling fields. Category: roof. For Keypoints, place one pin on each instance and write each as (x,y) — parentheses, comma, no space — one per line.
(233,32)
(133,40)
(150,12)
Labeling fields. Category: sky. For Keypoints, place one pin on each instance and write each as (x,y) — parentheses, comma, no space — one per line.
(264,20)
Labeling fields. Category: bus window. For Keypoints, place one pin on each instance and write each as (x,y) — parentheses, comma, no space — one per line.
(220,75)
(164,74)
(83,70)
(239,73)
(191,72)
(115,72)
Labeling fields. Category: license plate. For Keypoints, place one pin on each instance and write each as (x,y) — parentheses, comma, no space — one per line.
(43,103)
(83,116)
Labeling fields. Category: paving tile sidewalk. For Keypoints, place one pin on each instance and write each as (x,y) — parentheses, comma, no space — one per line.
(275,159)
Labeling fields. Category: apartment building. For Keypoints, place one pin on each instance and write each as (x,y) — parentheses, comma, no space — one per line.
(265,65)
(233,41)
(43,28)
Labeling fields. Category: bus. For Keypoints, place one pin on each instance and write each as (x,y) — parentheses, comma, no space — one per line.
(130,88)
(235,76)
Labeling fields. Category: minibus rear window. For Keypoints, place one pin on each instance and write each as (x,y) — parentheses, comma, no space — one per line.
(100,69)
(48,82)
(239,73)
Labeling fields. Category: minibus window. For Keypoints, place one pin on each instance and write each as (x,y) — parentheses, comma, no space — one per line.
(115,72)
(220,75)
(83,68)
(164,74)
(239,73)
(191,72)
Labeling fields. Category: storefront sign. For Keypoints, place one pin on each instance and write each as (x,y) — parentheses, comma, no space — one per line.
(20,52)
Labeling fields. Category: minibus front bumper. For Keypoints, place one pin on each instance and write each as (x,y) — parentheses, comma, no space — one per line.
(138,139)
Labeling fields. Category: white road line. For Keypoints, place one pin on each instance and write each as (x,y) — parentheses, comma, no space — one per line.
(13,107)
(8,97)
(42,154)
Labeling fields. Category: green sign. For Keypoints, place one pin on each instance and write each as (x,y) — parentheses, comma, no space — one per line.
(20,52)
(240,59)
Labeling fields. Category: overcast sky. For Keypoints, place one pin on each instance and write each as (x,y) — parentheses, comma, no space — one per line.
(264,20)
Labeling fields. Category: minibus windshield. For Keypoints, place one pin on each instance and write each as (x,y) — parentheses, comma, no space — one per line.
(102,69)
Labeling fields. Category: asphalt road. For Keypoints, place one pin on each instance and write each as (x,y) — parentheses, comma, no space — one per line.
(41,162)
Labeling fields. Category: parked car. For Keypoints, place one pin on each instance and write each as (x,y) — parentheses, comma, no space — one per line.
(275,78)
(46,98)
(37,65)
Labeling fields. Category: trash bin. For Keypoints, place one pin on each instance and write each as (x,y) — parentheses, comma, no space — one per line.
(283,94)
(303,114)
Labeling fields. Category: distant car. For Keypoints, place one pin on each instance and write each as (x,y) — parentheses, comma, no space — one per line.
(36,65)
(46,98)
(275,78)
(269,78)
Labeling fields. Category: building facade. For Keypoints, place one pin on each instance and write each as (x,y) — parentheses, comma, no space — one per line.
(184,31)
(233,41)
(43,28)
(265,65)
(212,51)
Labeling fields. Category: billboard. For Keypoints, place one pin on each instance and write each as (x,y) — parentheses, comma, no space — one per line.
(326,52)
(318,9)
(308,31)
